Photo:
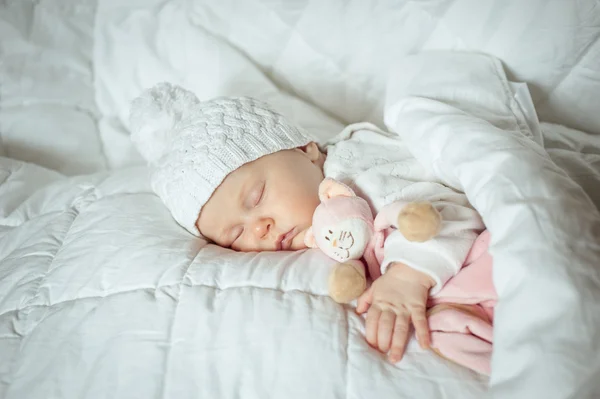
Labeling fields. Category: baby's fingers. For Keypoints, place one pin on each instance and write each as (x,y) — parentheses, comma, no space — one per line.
(386,328)
(372,325)
(400,337)
(419,320)
(364,301)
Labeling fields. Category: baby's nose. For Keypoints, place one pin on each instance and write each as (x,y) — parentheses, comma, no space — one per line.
(262,227)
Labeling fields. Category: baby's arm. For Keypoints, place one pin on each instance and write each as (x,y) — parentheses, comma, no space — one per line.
(441,257)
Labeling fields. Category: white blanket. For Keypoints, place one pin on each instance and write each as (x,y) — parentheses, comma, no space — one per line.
(102,295)
(545,229)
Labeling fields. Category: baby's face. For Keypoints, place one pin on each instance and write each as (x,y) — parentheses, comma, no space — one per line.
(266,205)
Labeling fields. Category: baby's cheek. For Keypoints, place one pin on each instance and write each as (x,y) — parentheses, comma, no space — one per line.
(298,241)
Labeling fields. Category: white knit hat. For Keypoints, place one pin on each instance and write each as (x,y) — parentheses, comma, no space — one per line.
(192,146)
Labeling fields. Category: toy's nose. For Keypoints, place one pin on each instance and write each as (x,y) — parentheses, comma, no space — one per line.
(334,243)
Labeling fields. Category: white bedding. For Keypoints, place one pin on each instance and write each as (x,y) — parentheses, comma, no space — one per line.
(103,296)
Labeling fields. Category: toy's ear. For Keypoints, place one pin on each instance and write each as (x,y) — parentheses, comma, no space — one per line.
(330,188)
(309,239)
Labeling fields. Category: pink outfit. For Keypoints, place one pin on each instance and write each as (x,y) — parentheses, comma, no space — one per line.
(463,337)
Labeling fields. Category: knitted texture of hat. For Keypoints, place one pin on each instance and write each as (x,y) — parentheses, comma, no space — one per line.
(192,146)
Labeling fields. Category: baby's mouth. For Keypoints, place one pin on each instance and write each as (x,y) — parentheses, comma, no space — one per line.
(284,242)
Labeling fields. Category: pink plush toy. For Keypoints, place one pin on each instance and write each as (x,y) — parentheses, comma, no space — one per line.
(345,230)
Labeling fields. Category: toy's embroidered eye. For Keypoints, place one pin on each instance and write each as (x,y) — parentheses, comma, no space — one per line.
(327,238)
(330,232)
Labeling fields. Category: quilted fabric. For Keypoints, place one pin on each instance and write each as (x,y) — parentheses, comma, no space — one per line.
(100,288)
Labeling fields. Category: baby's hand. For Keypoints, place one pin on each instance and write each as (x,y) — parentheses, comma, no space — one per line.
(396,299)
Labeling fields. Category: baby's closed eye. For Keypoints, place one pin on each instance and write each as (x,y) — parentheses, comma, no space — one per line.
(257,195)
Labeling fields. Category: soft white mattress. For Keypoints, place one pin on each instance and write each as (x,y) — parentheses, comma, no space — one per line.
(102,295)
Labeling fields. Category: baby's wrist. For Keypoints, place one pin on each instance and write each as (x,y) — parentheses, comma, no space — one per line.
(406,272)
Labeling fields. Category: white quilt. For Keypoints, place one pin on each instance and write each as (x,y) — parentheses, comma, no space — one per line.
(102,295)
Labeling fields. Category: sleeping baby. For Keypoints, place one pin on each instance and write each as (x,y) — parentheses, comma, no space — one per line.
(234,171)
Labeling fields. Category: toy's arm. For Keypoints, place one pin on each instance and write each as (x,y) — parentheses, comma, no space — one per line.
(417,221)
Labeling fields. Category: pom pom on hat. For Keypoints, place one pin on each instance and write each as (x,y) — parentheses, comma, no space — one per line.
(192,145)
(155,117)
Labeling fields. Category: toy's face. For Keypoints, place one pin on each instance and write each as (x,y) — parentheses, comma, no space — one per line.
(345,240)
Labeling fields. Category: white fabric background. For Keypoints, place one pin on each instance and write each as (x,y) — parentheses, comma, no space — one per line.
(102,295)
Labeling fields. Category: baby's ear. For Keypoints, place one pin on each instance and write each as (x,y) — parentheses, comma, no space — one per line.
(330,188)
(309,239)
